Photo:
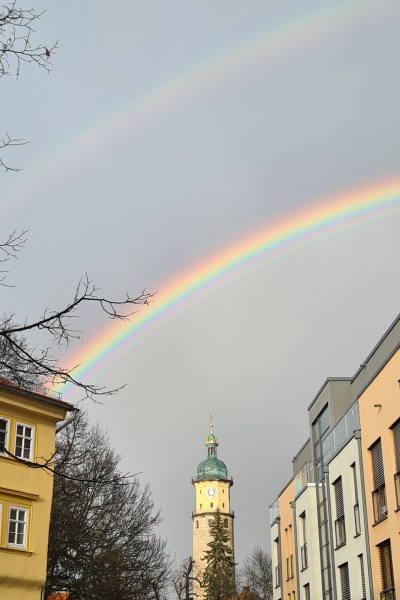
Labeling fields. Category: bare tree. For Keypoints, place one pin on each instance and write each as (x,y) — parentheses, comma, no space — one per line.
(26,366)
(182,580)
(18,47)
(256,574)
(103,543)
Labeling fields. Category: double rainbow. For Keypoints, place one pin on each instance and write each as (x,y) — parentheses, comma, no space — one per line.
(334,215)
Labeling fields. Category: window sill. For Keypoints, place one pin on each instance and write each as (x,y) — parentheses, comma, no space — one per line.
(12,550)
(357,535)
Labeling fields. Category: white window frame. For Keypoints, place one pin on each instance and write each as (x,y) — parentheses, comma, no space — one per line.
(16,533)
(32,439)
(7,434)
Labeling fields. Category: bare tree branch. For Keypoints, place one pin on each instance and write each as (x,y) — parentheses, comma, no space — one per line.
(17,48)
(26,366)
(16,45)
(103,541)
(8,142)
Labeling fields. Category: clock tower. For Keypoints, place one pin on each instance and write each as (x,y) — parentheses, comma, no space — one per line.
(212,487)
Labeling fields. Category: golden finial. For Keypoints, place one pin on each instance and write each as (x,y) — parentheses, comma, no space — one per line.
(211,425)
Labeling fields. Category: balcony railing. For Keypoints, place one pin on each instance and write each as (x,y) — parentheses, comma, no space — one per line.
(40,389)
(379,503)
(340,530)
(357,520)
(389,594)
(304,557)
(277,576)
(397,488)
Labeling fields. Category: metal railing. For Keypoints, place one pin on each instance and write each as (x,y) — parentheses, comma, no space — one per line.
(379,503)
(397,488)
(304,556)
(340,531)
(207,511)
(357,520)
(277,576)
(40,389)
(388,594)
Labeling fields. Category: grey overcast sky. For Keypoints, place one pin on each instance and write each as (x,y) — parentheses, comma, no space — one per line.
(166,132)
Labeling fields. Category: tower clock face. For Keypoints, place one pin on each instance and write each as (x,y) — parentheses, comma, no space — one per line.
(211,492)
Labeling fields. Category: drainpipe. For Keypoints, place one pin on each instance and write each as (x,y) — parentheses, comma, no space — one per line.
(293,506)
(357,435)
(278,522)
(332,553)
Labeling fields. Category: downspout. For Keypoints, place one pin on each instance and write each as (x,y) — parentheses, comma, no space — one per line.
(278,522)
(293,506)
(357,435)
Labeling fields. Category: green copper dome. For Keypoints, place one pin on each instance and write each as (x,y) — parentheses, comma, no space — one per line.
(212,467)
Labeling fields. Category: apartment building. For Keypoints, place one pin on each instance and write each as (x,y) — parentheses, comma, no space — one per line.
(345,491)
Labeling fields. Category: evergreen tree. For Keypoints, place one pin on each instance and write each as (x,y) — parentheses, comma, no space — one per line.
(219,574)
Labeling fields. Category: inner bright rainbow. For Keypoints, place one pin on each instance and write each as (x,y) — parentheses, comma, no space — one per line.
(332,216)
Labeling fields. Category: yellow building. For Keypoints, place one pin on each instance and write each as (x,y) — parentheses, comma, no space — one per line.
(212,487)
(27,435)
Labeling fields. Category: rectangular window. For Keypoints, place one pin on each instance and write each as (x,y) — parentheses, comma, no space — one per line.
(387,579)
(4,428)
(345,581)
(357,520)
(396,441)
(23,441)
(225,522)
(17,527)
(378,475)
(211,505)
(340,527)
(197,524)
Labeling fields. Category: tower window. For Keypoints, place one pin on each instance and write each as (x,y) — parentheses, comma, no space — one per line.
(223,505)
(210,522)
(226,522)
(197,524)
(201,506)
(211,504)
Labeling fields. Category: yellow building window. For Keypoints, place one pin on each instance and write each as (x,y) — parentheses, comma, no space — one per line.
(16,439)
(17,527)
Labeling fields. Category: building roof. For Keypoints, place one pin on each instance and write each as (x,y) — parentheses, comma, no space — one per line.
(38,391)
(212,467)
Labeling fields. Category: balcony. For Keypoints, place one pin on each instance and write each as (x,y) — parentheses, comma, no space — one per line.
(340,531)
(379,503)
(304,557)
